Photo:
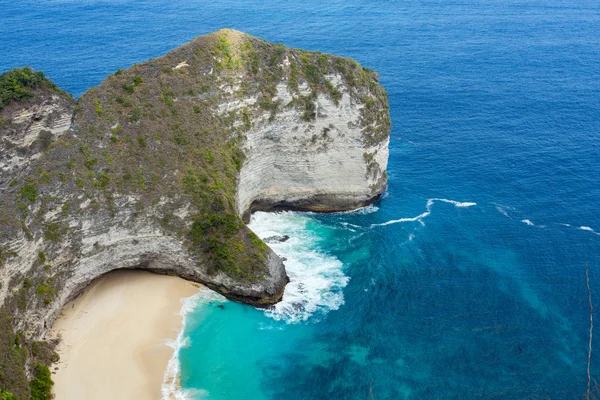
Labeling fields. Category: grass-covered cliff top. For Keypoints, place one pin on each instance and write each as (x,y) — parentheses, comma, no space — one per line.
(18,85)
(155,132)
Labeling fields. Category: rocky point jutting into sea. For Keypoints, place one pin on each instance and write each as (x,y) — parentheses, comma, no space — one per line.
(159,166)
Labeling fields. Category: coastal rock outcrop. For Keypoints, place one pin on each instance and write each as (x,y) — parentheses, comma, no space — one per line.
(324,163)
(160,165)
(29,126)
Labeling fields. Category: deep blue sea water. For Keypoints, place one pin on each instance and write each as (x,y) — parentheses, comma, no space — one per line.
(493,102)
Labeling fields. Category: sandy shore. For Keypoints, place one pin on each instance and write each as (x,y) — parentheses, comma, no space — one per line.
(114,337)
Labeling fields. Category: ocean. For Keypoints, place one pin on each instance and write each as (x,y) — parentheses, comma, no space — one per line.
(466,280)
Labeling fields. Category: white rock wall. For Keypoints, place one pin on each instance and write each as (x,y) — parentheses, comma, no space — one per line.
(52,115)
(316,165)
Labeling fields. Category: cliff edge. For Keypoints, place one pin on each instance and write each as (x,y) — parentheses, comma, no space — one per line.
(160,165)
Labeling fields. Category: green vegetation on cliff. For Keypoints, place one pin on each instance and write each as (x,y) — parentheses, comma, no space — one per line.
(4,395)
(16,352)
(161,133)
(18,84)
(41,384)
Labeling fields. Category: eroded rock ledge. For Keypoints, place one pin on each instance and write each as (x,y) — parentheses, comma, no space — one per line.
(157,166)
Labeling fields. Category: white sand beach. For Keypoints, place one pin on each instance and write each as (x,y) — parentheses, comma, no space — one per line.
(114,337)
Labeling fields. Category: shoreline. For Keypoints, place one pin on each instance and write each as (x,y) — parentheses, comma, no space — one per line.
(119,336)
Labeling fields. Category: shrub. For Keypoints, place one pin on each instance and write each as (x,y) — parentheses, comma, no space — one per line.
(310,110)
(246,119)
(128,88)
(335,94)
(45,177)
(322,60)
(135,114)
(312,74)
(53,232)
(222,49)
(43,289)
(102,180)
(90,163)
(226,225)
(23,208)
(181,139)
(167,97)
(293,79)
(29,192)
(17,85)
(7,395)
(238,158)
(98,107)
(26,283)
(41,385)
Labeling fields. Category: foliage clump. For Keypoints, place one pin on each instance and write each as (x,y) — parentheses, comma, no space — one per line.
(29,192)
(4,395)
(16,349)
(41,384)
(17,85)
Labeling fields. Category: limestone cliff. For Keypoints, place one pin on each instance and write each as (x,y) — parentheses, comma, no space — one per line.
(323,164)
(30,125)
(156,167)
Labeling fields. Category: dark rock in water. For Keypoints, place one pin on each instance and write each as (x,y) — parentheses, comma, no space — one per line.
(283,258)
(277,238)
(221,306)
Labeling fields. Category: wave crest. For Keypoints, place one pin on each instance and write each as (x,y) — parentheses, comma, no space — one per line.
(430,202)
(171,387)
(316,278)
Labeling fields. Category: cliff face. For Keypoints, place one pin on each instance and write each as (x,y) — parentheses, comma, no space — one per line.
(28,127)
(323,164)
(156,167)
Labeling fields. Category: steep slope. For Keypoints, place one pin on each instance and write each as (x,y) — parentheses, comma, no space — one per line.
(33,112)
(163,160)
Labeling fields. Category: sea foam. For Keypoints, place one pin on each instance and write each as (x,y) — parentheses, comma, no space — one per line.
(588,229)
(316,278)
(430,202)
(171,388)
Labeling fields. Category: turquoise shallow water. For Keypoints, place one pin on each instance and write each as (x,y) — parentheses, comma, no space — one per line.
(493,102)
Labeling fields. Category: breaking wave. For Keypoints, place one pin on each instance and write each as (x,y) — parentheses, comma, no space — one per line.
(419,218)
(588,229)
(316,278)
(171,388)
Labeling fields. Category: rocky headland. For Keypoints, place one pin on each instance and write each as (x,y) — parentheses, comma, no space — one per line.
(159,167)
